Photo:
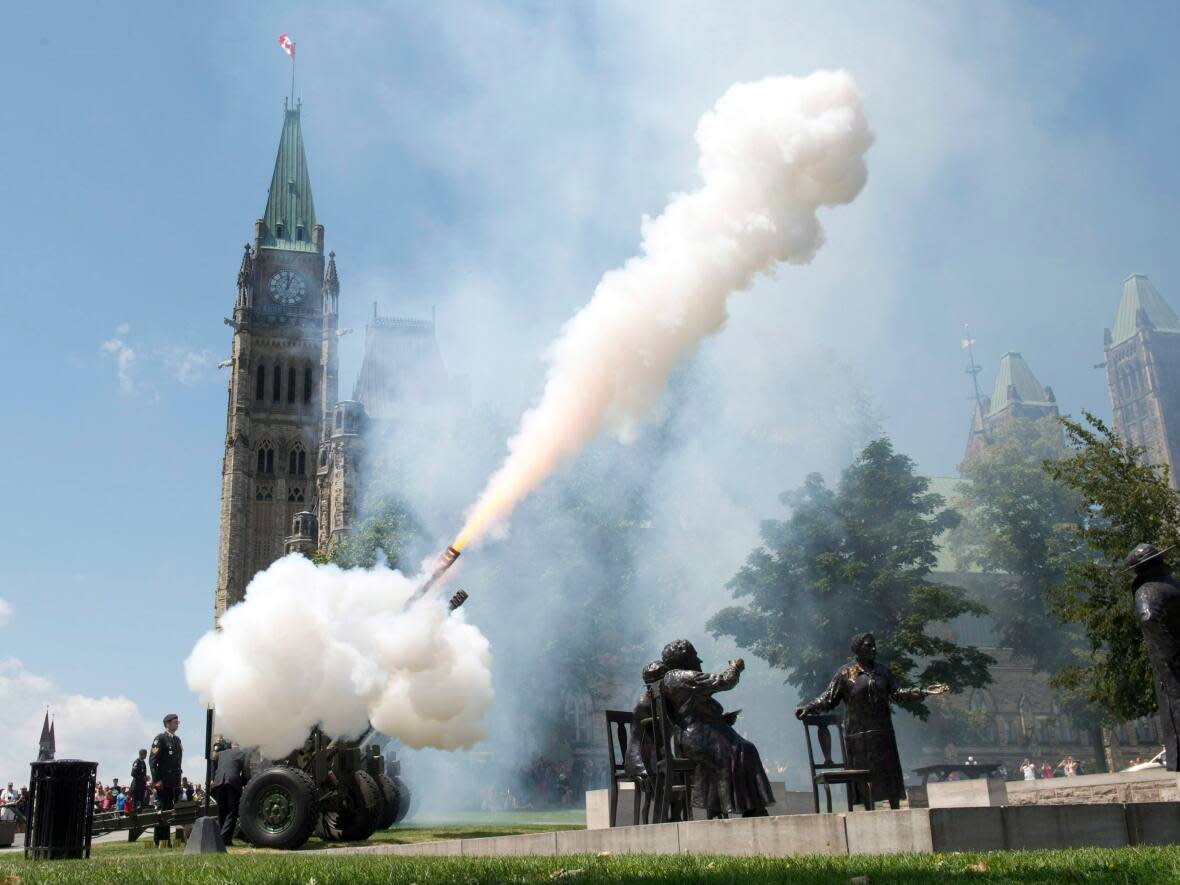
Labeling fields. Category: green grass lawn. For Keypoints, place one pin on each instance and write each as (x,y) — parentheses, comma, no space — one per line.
(1125,865)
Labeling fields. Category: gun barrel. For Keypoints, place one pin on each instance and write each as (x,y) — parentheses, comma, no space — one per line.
(444,562)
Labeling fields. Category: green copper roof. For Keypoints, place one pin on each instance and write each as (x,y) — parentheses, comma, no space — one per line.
(1140,294)
(1014,372)
(290,213)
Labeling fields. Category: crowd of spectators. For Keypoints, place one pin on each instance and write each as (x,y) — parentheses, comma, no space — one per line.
(1068,767)
(118,797)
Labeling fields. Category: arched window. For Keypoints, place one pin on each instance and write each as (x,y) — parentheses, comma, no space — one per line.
(297,460)
(266,457)
(263,493)
(981,715)
(278,380)
(295,495)
(291,385)
(260,383)
(307,384)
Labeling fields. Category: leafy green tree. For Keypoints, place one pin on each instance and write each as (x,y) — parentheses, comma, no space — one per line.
(390,530)
(849,560)
(1124,502)
(1017,523)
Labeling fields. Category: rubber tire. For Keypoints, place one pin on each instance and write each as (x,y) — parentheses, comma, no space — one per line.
(301,792)
(403,799)
(390,802)
(360,822)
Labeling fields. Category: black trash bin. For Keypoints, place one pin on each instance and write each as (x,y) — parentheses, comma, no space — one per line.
(61,808)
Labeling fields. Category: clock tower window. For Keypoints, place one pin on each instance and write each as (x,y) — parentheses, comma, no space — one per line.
(266,458)
(275,393)
(291,384)
(260,383)
(307,381)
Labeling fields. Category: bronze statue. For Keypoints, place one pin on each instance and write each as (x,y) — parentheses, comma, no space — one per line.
(729,777)
(1157,607)
(867,688)
(639,759)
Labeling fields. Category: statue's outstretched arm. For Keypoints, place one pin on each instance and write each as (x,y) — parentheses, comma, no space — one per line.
(831,696)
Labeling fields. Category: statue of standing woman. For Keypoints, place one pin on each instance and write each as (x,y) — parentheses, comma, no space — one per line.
(867,688)
(1157,608)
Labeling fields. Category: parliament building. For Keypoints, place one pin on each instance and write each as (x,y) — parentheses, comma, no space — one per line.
(294,451)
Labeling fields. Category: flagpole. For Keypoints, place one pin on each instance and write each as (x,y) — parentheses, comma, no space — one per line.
(292,73)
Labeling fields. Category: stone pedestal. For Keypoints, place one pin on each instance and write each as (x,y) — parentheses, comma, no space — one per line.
(598,807)
(989,792)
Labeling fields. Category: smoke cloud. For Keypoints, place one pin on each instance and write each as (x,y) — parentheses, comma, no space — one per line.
(771,153)
(322,645)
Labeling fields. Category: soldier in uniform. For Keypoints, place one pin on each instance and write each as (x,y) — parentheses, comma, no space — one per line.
(1157,608)
(165,762)
(232,774)
(139,780)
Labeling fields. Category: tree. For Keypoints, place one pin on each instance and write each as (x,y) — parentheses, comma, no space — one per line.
(1124,502)
(1017,522)
(391,530)
(853,560)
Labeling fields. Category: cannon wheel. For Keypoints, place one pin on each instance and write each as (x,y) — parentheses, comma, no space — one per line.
(358,819)
(403,799)
(390,803)
(279,808)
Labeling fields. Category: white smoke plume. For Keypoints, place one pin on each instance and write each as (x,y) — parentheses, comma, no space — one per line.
(322,645)
(771,153)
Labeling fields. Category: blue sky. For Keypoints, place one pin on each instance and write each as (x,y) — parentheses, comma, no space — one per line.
(492,161)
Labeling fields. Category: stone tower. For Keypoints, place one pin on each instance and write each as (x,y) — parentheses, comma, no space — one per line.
(1143,372)
(1017,395)
(282,388)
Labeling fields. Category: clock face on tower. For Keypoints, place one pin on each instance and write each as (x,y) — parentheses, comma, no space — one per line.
(287,287)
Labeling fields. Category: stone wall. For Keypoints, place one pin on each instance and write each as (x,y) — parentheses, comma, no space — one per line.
(1093,789)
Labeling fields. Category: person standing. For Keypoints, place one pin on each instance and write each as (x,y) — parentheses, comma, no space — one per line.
(232,775)
(138,780)
(1157,608)
(165,762)
(1028,770)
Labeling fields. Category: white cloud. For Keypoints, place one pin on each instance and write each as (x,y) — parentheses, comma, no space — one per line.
(5,612)
(189,366)
(108,730)
(124,358)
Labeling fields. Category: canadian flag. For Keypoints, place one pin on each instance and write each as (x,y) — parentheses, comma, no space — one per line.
(287,45)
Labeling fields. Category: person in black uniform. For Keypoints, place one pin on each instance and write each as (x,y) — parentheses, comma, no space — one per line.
(232,775)
(1157,608)
(165,762)
(138,780)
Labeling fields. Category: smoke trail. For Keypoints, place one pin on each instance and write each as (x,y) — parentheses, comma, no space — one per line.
(321,645)
(771,153)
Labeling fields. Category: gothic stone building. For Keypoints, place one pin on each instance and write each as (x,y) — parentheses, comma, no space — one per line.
(1143,372)
(1017,715)
(294,452)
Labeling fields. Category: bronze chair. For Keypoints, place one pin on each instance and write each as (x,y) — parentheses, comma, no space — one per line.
(620,731)
(673,775)
(827,771)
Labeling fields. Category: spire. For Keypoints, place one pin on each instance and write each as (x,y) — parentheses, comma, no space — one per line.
(1015,383)
(245,274)
(45,746)
(1141,304)
(289,220)
(331,288)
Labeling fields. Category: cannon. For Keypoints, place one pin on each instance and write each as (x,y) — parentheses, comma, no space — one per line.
(337,788)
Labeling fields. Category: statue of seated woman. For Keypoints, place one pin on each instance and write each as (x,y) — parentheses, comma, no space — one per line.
(729,777)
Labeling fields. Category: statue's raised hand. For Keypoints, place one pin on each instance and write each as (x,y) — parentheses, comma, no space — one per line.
(738,664)
(935,688)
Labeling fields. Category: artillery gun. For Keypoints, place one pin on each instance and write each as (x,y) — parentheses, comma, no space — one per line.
(337,788)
